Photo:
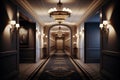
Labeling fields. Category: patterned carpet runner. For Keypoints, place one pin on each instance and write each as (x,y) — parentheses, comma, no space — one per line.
(59,67)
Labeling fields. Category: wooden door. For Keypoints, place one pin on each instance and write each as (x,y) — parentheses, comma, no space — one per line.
(59,44)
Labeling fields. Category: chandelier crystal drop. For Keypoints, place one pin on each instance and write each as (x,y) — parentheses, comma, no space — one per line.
(59,13)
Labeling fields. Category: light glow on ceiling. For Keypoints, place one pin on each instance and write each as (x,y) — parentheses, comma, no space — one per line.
(64,1)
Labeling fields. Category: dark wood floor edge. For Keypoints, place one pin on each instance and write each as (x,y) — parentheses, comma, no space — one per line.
(85,72)
(32,75)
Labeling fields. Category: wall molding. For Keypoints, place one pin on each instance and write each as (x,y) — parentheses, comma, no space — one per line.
(27,48)
(9,57)
(111,53)
(25,4)
(92,60)
(94,6)
(28,60)
(27,55)
(8,53)
(93,48)
(110,65)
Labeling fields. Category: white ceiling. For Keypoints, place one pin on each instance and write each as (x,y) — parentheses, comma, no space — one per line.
(41,7)
(80,9)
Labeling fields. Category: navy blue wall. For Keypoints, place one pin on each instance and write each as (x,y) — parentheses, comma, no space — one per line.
(92,42)
(94,18)
(92,38)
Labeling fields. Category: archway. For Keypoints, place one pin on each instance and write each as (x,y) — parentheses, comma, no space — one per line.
(62,39)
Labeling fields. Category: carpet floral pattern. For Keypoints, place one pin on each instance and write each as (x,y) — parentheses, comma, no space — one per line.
(60,68)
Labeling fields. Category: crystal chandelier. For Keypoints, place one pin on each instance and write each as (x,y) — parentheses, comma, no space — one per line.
(60,13)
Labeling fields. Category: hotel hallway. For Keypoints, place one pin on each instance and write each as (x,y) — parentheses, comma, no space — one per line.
(32,33)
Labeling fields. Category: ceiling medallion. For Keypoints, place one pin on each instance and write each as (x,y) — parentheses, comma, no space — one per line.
(60,13)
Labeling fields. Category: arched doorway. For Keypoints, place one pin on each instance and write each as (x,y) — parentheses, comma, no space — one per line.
(60,38)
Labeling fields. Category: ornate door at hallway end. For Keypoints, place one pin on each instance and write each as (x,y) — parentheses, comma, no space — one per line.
(59,44)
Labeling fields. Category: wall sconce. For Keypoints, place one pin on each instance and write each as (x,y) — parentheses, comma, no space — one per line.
(73,36)
(105,24)
(82,29)
(17,25)
(12,25)
(12,22)
(42,34)
(80,32)
(39,32)
(101,25)
(46,36)
(76,34)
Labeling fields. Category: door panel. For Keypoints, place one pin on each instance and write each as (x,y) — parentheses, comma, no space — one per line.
(59,44)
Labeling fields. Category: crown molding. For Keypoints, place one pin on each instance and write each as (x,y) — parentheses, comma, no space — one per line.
(94,6)
(24,4)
